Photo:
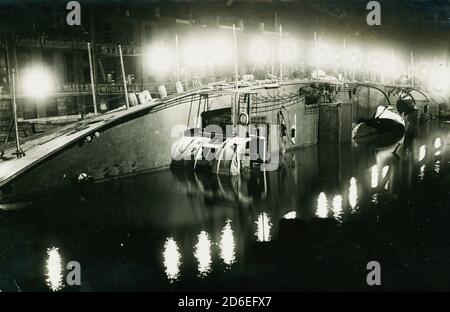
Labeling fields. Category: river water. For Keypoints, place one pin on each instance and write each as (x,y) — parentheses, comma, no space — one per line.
(312,225)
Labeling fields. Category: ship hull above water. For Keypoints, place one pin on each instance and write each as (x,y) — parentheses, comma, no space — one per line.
(130,142)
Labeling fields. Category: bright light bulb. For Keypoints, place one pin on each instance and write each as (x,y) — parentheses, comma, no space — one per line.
(221,51)
(160,60)
(38,83)
(289,51)
(259,51)
(195,54)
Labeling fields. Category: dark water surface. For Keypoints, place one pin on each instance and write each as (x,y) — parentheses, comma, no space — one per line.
(312,225)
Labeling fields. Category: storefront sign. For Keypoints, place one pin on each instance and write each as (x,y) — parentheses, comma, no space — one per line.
(50,44)
(73,88)
(118,88)
(105,89)
(114,50)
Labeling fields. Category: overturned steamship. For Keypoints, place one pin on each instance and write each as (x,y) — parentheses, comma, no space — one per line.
(173,131)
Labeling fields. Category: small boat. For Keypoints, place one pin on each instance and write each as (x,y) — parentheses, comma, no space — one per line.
(386,121)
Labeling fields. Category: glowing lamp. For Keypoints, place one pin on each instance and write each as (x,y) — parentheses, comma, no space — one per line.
(221,51)
(289,51)
(320,54)
(439,80)
(160,60)
(259,51)
(37,82)
(337,57)
(354,58)
(195,54)
(377,62)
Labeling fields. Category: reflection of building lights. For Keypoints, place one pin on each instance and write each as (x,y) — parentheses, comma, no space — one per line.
(322,206)
(337,206)
(374,176)
(353,193)
(375,198)
(437,166)
(437,153)
(384,171)
(263,226)
(171,256)
(422,172)
(203,254)
(422,152)
(37,83)
(54,269)
(227,245)
(290,215)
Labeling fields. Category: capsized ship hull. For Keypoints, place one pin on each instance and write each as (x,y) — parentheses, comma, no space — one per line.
(137,140)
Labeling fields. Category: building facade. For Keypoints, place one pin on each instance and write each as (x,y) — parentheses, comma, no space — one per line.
(63,52)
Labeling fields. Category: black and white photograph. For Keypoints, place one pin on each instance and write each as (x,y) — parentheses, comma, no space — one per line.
(224,146)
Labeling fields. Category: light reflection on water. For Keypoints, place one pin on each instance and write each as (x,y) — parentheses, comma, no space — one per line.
(385,170)
(219,225)
(437,166)
(172,259)
(337,207)
(422,152)
(374,176)
(322,205)
(227,245)
(375,198)
(263,227)
(54,269)
(353,194)
(422,172)
(203,254)
(437,143)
